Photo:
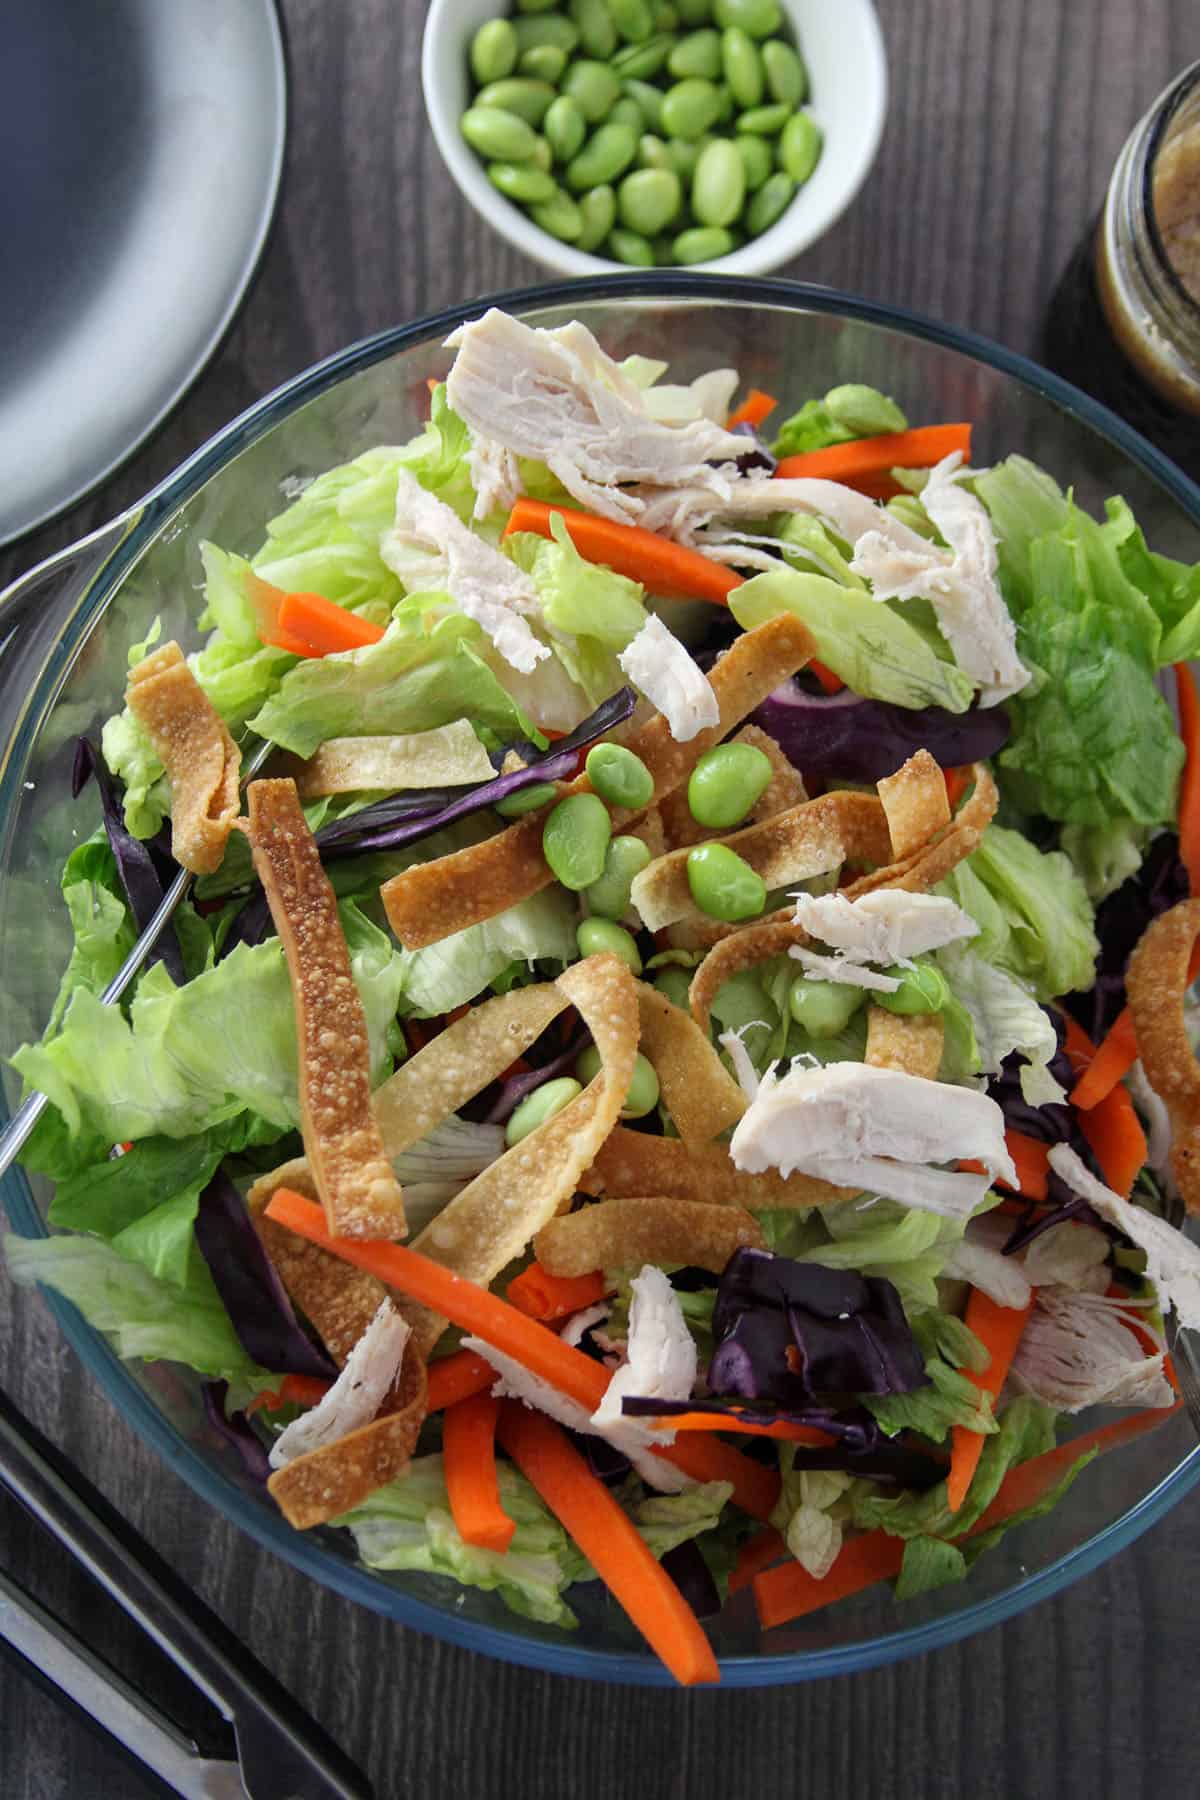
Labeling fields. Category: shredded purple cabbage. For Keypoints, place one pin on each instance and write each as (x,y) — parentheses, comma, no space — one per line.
(236,1430)
(687,1568)
(135,861)
(758,456)
(1159,884)
(251,1292)
(842,736)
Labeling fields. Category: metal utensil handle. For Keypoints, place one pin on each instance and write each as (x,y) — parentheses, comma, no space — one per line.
(284,1754)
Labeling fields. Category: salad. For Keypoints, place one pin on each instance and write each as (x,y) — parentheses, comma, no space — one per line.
(678,1068)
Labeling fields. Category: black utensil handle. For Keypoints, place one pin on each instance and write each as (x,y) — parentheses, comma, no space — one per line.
(284,1754)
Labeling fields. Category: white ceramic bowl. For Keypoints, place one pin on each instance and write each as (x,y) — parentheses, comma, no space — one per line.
(843,48)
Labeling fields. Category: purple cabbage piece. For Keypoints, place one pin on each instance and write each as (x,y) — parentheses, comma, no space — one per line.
(135,862)
(687,1568)
(842,736)
(236,1430)
(1052,1123)
(757,456)
(1159,884)
(251,1292)
(514,1090)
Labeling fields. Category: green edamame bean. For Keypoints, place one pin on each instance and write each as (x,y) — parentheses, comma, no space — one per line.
(543,156)
(539,1106)
(545,62)
(607,154)
(800,147)
(675,984)
(617,774)
(522,181)
(634,19)
(725,97)
(518,94)
(647,201)
(554,29)
(683,156)
(694,12)
(626,112)
(575,838)
(652,153)
(624,859)
(923,989)
(498,135)
(639,62)
(757,161)
(766,120)
(823,1008)
(726,783)
(699,53)
(787,76)
(742,66)
(770,203)
(598,210)
(597,33)
(526,800)
(593,87)
(534,6)
(864,410)
(761,18)
(650,100)
(493,52)
(559,216)
(719,186)
(565,128)
(723,884)
(641,1097)
(701,243)
(631,247)
(690,107)
(666,16)
(596,936)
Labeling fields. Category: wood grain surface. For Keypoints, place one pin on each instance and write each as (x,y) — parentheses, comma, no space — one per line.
(1006,116)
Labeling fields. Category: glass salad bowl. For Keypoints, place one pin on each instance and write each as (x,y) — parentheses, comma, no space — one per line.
(64,670)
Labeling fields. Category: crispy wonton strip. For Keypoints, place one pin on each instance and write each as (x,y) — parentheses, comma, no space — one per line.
(916,804)
(810,839)
(912,1044)
(192,742)
(917,873)
(328,1482)
(358,1190)
(629,1163)
(785,789)
(625,1234)
(491,1221)
(448,756)
(701,1096)
(338,1300)
(1156,983)
(432,900)
(741,950)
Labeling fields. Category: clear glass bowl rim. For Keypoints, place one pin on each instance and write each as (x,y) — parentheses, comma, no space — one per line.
(306,1555)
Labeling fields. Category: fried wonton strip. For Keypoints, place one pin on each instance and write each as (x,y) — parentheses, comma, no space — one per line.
(1156,983)
(192,742)
(926,867)
(629,1163)
(912,1044)
(338,1300)
(701,1096)
(916,804)
(432,900)
(810,839)
(785,789)
(625,1234)
(328,1482)
(741,950)
(444,757)
(491,1221)
(354,1179)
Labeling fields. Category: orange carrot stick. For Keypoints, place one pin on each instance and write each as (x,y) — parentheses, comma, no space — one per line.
(664,568)
(610,1541)
(456,1377)
(328,627)
(469,1461)
(1031,1481)
(1115,1056)
(1111,1126)
(753,410)
(466,1304)
(789,1591)
(293,1390)
(553,1297)
(759,1552)
(998,1329)
(864,459)
(1031,1161)
(782,1429)
(957,782)
(1189,786)
(833,684)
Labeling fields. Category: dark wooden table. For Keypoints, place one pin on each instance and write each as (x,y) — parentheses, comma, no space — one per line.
(1006,116)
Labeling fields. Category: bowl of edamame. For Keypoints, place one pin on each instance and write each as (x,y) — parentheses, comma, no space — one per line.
(722,134)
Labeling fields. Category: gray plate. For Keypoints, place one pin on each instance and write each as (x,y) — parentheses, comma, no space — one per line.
(141,143)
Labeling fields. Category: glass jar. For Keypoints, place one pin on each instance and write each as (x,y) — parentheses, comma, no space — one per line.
(1124,323)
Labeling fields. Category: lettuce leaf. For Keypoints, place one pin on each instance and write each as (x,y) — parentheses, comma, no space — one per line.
(876,652)
(1034,916)
(1172,588)
(1005,1018)
(455,969)
(100,923)
(143,1203)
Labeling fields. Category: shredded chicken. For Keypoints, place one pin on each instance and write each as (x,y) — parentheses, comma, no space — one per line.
(1079,1350)
(356,1396)
(842,969)
(1172,1260)
(429,547)
(660,1351)
(883,927)
(660,667)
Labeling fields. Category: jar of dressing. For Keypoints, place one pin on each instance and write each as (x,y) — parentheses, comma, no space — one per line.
(1124,323)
